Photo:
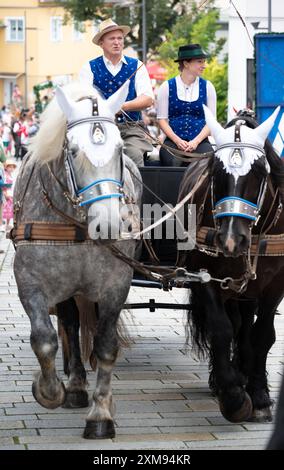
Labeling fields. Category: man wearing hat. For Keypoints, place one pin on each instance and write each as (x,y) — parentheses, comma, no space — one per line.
(180,111)
(108,72)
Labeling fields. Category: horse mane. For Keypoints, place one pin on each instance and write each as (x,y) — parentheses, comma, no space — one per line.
(48,143)
(192,173)
(275,162)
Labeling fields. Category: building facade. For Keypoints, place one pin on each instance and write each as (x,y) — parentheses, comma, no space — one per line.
(36,46)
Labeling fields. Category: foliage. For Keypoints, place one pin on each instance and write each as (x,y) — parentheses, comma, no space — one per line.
(194,27)
(160,15)
(217,74)
(82,10)
(36,90)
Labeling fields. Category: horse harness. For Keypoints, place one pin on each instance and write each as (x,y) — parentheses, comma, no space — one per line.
(262,244)
(74,231)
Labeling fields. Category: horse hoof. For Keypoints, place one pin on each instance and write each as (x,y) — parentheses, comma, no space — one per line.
(76,399)
(261,416)
(99,430)
(47,402)
(242,414)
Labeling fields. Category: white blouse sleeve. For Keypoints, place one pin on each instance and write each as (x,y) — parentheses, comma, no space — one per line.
(163,101)
(211,98)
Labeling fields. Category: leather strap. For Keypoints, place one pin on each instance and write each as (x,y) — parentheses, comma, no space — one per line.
(270,245)
(49,231)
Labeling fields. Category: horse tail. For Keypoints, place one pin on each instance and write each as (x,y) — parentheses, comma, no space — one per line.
(124,338)
(196,326)
(88,322)
(88,326)
(65,346)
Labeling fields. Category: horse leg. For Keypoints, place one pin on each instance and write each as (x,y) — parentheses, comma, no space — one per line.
(243,353)
(99,423)
(47,388)
(233,313)
(262,338)
(213,328)
(68,318)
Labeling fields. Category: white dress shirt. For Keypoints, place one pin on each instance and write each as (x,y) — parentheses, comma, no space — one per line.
(185,93)
(142,80)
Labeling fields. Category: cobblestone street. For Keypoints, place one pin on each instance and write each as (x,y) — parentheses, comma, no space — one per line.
(161,393)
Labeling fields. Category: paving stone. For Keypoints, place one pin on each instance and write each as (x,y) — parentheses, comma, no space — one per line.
(4,441)
(11,396)
(254,444)
(171,437)
(175,422)
(11,424)
(112,446)
(148,396)
(50,423)
(13,447)
(242,435)
(225,430)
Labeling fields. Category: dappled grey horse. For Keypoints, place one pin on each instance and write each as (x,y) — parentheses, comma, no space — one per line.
(75,195)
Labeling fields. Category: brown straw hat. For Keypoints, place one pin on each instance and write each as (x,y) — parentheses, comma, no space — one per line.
(106,26)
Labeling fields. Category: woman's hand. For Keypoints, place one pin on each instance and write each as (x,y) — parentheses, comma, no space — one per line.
(181,144)
(192,145)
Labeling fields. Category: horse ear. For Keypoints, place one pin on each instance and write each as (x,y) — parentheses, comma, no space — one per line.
(64,102)
(215,128)
(116,100)
(263,129)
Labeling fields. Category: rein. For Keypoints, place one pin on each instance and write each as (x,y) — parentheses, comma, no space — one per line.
(183,156)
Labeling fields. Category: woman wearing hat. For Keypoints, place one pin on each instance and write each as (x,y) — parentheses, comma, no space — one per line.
(180,110)
(108,72)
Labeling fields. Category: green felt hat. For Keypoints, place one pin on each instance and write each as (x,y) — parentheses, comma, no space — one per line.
(191,51)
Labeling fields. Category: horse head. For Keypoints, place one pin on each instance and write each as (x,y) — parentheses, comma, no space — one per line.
(95,151)
(239,179)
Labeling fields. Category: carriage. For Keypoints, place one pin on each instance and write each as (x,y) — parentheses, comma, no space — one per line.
(77,192)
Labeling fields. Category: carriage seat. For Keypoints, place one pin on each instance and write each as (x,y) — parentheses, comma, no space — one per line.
(165,182)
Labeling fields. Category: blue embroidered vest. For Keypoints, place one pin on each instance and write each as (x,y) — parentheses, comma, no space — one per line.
(187,118)
(109,84)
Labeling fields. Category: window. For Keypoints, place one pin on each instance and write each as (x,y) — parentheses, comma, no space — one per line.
(56,28)
(78,29)
(15,31)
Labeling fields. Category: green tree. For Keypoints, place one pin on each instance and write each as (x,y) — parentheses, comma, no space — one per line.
(160,16)
(82,10)
(217,73)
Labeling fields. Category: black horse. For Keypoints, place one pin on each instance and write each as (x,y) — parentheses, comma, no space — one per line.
(240,241)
